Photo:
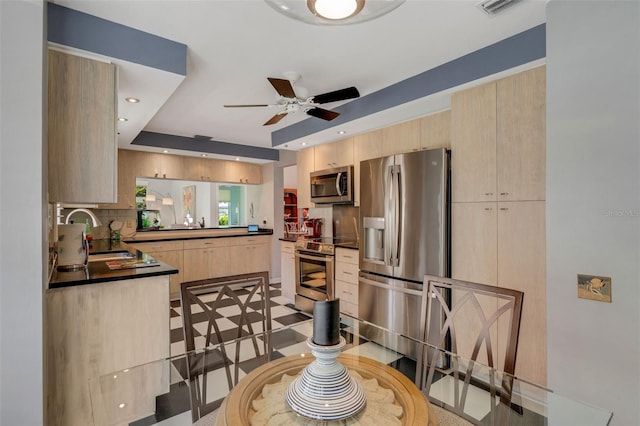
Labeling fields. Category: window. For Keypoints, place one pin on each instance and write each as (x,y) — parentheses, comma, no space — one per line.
(231,205)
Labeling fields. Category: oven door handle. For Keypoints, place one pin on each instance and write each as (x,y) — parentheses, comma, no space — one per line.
(325,258)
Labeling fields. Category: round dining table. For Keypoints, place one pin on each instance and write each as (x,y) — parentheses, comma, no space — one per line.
(412,407)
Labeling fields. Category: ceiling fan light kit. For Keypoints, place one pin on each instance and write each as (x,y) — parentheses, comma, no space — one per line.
(334,12)
(290,103)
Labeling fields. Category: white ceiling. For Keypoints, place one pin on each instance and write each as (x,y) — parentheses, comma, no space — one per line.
(234,45)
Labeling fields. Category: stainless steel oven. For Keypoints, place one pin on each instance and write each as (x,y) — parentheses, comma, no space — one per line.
(314,263)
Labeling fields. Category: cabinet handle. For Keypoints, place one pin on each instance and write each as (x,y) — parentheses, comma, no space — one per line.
(504,208)
(488,209)
(488,193)
(347,273)
(504,193)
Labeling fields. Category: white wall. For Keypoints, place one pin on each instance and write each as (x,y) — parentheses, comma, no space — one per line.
(593,201)
(21,212)
(290,177)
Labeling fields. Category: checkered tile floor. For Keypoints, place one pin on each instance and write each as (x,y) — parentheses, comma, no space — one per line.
(174,407)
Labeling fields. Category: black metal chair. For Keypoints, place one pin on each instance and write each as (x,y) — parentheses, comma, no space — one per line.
(250,294)
(476,326)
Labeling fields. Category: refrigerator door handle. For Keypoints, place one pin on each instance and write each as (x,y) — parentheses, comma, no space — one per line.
(389,254)
(396,213)
(338,189)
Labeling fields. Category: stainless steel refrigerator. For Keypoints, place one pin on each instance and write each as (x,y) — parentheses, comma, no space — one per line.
(404,234)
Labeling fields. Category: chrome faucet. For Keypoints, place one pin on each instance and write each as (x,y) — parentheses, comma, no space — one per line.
(94,218)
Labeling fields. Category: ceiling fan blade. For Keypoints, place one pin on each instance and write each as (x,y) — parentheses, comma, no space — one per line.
(275,119)
(283,87)
(325,114)
(338,95)
(246,106)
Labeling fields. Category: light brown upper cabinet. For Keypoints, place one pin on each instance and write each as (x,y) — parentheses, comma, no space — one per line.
(521,136)
(473,144)
(162,166)
(403,137)
(304,163)
(127,161)
(237,172)
(435,130)
(365,147)
(203,169)
(82,112)
(498,140)
(334,154)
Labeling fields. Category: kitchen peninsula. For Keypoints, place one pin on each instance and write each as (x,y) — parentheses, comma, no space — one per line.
(100,320)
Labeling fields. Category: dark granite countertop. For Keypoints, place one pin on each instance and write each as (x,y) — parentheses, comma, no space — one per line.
(99,272)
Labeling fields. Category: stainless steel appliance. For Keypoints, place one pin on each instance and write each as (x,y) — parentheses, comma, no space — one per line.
(404,235)
(332,186)
(314,264)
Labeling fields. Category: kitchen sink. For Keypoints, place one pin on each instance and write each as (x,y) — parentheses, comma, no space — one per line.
(105,257)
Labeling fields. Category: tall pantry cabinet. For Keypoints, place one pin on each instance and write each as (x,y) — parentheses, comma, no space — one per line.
(498,190)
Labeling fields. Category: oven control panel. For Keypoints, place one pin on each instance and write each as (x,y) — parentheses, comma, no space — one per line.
(315,246)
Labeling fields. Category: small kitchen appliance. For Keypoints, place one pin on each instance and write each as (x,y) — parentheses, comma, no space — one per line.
(73,248)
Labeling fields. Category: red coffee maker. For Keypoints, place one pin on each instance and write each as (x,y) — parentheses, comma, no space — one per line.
(314,227)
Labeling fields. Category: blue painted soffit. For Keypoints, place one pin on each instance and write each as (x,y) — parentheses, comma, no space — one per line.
(204,144)
(69,27)
(522,48)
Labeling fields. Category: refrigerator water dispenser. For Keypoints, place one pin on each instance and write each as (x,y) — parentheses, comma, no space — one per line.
(374,239)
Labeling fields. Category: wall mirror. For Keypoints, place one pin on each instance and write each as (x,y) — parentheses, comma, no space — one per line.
(183,203)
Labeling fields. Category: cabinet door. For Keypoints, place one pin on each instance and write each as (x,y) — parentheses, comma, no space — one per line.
(521,140)
(193,168)
(365,147)
(197,264)
(474,242)
(81,132)
(126,181)
(473,144)
(288,269)
(522,266)
(335,154)
(237,172)
(403,137)
(304,160)
(435,130)
(172,258)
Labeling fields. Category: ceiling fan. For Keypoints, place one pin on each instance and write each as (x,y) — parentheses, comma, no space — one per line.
(290,102)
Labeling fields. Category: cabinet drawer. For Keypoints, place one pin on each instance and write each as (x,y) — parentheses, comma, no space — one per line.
(350,309)
(201,243)
(347,272)
(346,292)
(158,246)
(346,255)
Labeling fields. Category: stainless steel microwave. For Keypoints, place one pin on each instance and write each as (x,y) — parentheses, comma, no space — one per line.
(332,186)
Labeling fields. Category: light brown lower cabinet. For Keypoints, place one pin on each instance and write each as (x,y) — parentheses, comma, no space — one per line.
(169,252)
(503,244)
(346,282)
(96,329)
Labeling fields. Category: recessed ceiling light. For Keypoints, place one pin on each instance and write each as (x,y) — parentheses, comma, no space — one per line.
(166,151)
(237,158)
(122,119)
(303,144)
(203,155)
(341,132)
(132,100)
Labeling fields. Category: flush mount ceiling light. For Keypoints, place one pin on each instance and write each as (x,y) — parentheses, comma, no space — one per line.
(334,12)
(132,100)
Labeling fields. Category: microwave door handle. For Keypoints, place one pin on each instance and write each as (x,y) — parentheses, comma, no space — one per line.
(338,190)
